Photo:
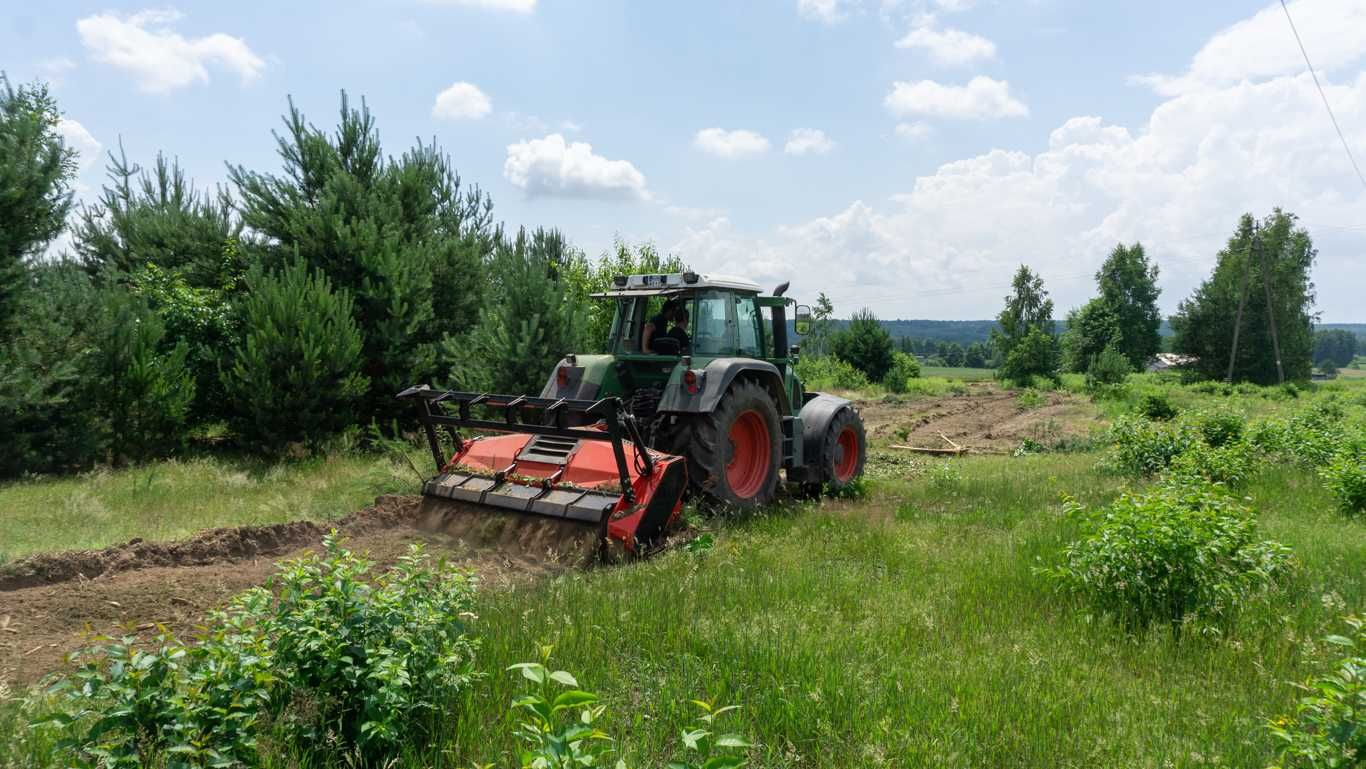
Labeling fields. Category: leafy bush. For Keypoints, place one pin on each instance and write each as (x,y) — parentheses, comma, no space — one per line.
(1231,464)
(1328,728)
(1312,437)
(1345,476)
(372,663)
(379,661)
(1219,427)
(1030,398)
(827,372)
(1109,367)
(866,345)
(294,375)
(904,369)
(1183,552)
(1142,447)
(1035,354)
(558,728)
(1156,406)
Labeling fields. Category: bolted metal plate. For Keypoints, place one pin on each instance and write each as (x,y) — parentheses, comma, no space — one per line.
(587,506)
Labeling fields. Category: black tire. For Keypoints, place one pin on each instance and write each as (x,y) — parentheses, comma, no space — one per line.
(705,439)
(833,457)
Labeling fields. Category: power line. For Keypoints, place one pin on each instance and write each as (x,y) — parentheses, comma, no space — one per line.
(1322,95)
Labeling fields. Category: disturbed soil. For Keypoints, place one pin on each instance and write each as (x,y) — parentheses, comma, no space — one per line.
(53,604)
(985,418)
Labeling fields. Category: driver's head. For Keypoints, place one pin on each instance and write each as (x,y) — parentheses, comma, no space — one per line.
(681,318)
(671,309)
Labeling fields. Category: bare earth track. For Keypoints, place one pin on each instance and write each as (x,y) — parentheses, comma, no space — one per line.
(52,604)
(985,418)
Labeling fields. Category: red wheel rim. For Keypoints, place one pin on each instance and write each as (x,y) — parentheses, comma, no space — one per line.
(751,451)
(846,455)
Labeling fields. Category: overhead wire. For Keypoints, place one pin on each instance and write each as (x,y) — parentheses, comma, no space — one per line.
(1305,53)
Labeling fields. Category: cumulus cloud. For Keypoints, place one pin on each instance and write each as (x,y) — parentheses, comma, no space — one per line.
(730,144)
(808,141)
(514,6)
(556,168)
(76,137)
(1263,46)
(981,99)
(145,46)
(913,131)
(949,47)
(1178,182)
(462,101)
(824,11)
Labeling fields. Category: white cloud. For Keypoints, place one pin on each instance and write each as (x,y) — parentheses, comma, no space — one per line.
(913,131)
(160,59)
(55,70)
(76,137)
(949,47)
(1178,182)
(824,11)
(1263,46)
(981,99)
(730,144)
(462,101)
(554,167)
(808,141)
(514,6)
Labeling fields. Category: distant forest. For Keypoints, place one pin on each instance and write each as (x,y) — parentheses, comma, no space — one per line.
(965,332)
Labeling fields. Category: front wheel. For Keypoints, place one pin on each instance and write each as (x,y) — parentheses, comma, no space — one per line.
(843,450)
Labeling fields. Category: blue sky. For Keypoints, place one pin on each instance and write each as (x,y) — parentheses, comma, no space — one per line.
(900,154)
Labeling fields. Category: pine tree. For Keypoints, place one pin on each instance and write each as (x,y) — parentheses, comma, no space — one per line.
(531,321)
(293,377)
(37,171)
(1205,321)
(399,235)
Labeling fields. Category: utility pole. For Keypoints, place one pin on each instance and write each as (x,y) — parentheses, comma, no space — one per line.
(1270,313)
(1242,302)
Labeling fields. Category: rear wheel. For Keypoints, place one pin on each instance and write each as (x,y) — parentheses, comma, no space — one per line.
(735,451)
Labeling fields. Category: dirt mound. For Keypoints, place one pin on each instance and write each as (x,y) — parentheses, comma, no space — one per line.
(51,604)
(208,547)
(985,418)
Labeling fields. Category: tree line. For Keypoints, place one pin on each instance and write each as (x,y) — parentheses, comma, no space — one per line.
(287,306)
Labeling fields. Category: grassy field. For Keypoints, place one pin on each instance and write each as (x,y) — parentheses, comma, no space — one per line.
(958,372)
(172,499)
(906,628)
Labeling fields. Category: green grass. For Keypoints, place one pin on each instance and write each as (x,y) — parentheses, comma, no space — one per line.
(173,499)
(958,372)
(909,629)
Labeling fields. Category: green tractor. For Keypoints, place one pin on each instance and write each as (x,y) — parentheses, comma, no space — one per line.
(716,409)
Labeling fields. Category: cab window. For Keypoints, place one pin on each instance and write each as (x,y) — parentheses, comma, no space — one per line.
(747,327)
(711,326)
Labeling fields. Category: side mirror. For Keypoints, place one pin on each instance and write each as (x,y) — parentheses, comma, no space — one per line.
(802,320)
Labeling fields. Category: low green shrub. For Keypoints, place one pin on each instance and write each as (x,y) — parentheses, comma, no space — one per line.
(1141,447)
(1183,552)
(1328,728)
(371,664)
(1230,464)
(1030,398)
(1107,368)
(1345,476)
(1156,406)
(1219,426)
(1311,437)
(826,372)
(904,369)
(558,727)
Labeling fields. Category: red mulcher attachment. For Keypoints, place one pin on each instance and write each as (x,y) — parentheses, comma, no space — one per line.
(600,475)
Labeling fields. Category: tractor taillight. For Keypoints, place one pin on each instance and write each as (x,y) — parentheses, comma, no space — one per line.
(690,380)
(562,376)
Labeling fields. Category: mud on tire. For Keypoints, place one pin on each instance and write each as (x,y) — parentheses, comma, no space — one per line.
(734,453)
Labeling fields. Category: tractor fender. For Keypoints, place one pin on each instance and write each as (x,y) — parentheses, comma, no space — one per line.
(715,379)
(816,415)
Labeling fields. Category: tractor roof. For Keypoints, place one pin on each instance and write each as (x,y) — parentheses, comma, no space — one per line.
(657,284)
